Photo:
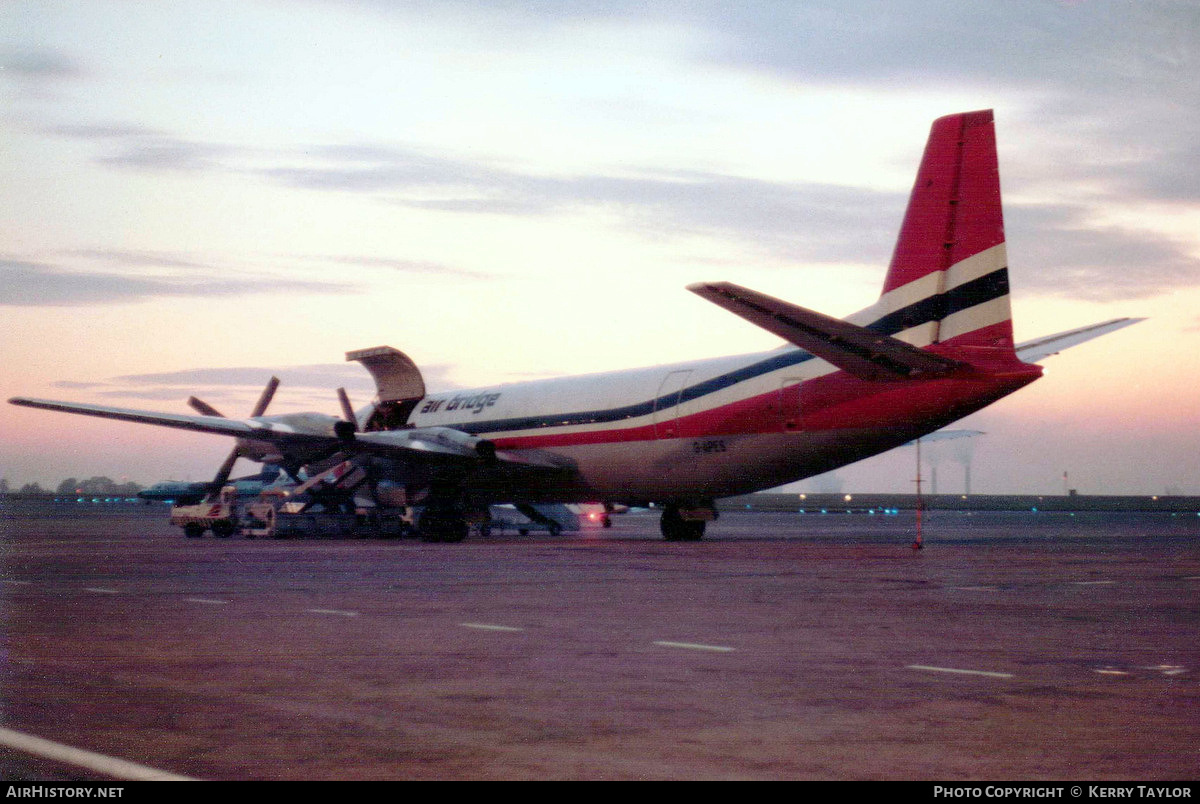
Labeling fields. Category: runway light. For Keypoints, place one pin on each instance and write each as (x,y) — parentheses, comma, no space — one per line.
(848,498)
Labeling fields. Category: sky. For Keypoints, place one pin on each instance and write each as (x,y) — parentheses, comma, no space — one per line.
(199,195)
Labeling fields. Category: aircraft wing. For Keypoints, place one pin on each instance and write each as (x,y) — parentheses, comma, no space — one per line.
(202,424)
(857,350)
(1037,350)
(309,433)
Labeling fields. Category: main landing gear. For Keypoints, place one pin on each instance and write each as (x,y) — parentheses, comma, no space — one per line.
(675,528)
(442,525)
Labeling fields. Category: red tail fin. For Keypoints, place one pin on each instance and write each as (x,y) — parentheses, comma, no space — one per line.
(954,229)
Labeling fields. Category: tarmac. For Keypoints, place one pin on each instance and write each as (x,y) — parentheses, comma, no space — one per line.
(1015,646)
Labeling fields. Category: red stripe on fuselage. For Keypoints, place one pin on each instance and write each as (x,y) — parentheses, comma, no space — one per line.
(832,402)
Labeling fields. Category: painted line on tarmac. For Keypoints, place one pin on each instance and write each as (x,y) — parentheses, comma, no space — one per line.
(488,627)
(1168,669)
(209,600)
(338,612)
(695,646)
(959,671)
(30,583)
(976,588)
(79,758)
(1093,583)
(100,590)
(1108,671)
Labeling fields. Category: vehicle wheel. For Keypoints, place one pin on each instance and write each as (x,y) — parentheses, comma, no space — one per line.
(193,531)
(554,529)
(456,531)
(442,526)
(677,529)
(222,530)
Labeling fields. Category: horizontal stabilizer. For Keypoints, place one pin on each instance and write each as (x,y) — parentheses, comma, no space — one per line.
(1041,348)
(857,350)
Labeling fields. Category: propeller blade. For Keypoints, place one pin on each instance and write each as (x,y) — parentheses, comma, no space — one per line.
(223,473)
(347,409)
(264,400)
(203,408)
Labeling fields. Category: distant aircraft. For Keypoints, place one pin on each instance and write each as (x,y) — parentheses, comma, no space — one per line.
(188,492)
(936,346)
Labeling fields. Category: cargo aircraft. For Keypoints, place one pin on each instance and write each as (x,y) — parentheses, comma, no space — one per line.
(936,345)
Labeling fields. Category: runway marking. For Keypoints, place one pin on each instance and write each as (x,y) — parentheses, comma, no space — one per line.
(987,673)
(1168,669)
(109,766)
(695,646)
(487,627)
(1093,583)
(27,583)
(100,590)
(209,600)
(976,588)
(338,612)
(1110,672)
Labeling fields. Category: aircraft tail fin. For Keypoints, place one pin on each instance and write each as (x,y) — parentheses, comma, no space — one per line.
(948,278)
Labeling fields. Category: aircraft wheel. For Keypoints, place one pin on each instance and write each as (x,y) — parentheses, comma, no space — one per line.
(456,531)
(677,529)
(442,526)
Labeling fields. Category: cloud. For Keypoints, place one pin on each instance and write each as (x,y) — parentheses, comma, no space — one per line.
(169,154)
(39,64)
(317,375)
(144,149)
(796,221)
(1116,82)
(140,258)
(234,390)
(329,375)
(1104,95)
(1054,250)
(101,132)
(36,284)
(420,267)
(81,386)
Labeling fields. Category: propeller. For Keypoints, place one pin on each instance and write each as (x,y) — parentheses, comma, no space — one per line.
(346,429)
(206,409)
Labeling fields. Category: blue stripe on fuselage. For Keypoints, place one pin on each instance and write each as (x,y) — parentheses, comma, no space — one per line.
(933,308)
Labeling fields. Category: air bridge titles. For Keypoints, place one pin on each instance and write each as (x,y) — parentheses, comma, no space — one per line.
(474,403)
